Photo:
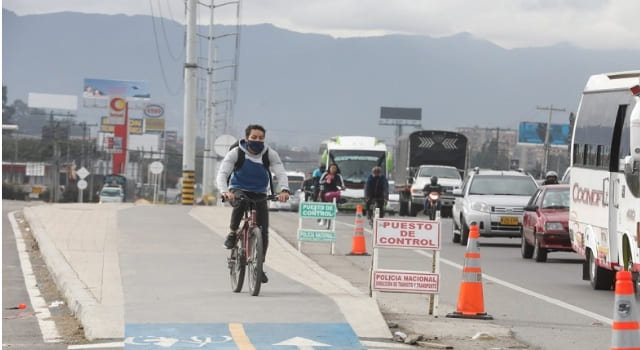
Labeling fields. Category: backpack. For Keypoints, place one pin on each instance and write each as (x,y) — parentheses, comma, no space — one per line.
(240,161)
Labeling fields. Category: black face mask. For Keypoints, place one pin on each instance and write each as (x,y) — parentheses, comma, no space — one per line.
(255,146)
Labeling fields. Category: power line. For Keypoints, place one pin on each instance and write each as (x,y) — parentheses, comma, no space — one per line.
(162,69)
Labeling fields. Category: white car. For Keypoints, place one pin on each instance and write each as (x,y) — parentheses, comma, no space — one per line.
(111,194)
(295,179)
(494,200)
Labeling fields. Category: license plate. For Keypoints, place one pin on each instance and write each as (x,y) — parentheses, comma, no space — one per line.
(509,220)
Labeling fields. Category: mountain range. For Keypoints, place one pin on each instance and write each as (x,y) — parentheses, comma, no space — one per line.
(305,87)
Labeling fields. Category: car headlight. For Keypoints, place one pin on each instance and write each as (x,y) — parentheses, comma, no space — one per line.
(481,206)
(553,226)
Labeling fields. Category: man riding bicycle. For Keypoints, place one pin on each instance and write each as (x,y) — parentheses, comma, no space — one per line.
(252,178)
(376,191)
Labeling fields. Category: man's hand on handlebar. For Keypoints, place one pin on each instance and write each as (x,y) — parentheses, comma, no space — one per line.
(228,196)
(283,196)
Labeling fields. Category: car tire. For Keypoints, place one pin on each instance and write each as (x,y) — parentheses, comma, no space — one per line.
(446,212)
(464,233)
(455,238)
(539,253)
(526,249)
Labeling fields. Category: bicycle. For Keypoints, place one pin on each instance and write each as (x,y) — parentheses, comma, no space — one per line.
(248,253)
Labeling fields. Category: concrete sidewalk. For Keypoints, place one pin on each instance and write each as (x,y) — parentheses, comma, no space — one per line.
(79,243)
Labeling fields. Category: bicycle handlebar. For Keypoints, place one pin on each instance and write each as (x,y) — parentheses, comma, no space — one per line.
(241,196)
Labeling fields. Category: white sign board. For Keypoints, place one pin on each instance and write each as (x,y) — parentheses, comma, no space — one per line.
(406,281)
(82,172)
(34,169)
(82,184)
(156,167)
(408,234)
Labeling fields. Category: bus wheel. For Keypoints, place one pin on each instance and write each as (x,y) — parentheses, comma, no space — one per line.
(600,278)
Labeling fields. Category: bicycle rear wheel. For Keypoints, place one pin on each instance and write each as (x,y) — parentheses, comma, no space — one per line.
(255,262)
(236,269)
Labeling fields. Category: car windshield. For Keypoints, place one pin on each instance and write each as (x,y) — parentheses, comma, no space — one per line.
(503,185)
(110,192)
(441,173)
(556,199)
(295,183)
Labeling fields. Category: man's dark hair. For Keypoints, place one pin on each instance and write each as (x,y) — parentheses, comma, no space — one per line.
(250,127)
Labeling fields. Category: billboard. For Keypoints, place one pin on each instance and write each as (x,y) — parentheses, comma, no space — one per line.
(535,133)
(401,113)
(101,88)
(52,101)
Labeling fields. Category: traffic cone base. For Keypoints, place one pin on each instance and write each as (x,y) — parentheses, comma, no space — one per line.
(470,298)
(625,333)
(358,246)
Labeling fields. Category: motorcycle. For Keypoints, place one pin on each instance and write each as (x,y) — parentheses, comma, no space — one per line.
(433,200)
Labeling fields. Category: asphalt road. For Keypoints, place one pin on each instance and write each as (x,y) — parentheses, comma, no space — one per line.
(546,305)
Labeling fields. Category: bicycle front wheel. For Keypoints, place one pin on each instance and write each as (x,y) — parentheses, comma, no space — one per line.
(256,259)
(236,269)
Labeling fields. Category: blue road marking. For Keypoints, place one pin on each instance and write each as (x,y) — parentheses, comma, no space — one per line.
(259,336)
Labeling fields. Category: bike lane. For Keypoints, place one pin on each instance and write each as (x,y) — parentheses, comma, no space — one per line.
(177,291)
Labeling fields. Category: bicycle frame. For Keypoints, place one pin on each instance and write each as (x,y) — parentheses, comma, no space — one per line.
(248,251)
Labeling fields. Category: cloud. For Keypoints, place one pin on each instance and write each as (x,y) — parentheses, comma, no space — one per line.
(595,24)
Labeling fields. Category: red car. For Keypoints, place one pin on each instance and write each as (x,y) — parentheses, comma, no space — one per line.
(545,225)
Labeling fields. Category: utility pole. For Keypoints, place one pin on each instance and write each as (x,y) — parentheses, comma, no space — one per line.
(190,100)
(546,137)
(207,161)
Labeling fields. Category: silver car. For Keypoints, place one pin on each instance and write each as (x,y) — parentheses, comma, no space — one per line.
(494,200)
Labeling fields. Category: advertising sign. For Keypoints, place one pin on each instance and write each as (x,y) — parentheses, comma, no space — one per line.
(408,234)
(117,110)
(406,281)
(135,126)
(102,88)
(535,133)
(153,110)
(154,125)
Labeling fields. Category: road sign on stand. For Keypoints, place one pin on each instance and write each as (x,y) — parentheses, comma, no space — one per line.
(407,234)
(317,210)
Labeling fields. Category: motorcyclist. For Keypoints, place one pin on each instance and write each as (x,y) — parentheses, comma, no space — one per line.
(433,186)
(551,178)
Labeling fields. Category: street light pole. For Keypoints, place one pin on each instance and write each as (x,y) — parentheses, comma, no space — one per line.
(545,161)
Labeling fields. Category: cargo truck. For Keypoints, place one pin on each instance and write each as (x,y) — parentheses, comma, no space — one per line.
(437,152)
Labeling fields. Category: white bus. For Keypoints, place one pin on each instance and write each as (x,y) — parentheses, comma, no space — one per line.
(355,157)
(604,219)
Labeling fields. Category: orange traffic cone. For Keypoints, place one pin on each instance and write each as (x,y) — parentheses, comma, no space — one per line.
(358,246)
(470,299)
(625,328)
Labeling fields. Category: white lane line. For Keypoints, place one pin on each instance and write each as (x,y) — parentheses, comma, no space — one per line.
(522,290)
(47,326)
(96,346)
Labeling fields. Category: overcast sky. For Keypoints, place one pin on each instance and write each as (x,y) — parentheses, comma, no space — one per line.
(596,24)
